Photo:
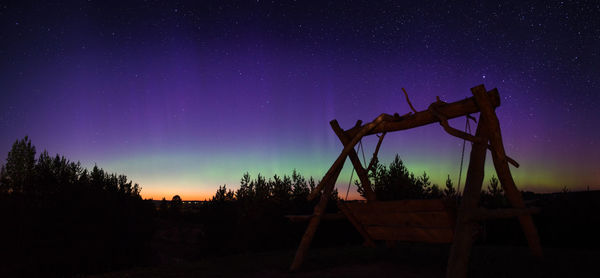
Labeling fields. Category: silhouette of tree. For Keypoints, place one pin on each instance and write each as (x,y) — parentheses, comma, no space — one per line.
(176,204)
(65,214)
(18,171)
(261,188)
(223,195)
(449,191)
(164,205)
(494,195)
(301,188)
(246,191)
(395,182)
(281,189)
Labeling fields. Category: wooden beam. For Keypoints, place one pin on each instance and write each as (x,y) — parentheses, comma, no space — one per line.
(315,220)
(360,171)
(458,262)
(450,110)
(339,162)
(374,158)
(482,213)
(307,217)
(458,133)
(359,227)
(399,206)
(502,169)
(412,234)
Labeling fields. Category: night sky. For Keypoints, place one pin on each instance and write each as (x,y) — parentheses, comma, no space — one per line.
(183,97)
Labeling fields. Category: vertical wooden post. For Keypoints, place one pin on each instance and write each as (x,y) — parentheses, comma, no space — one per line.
(315,220)
(458,262)
(360,171)
(502,169)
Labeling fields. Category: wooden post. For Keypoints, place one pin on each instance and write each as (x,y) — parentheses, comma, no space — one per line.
(315,220)
(502,169)
(339,162)
(458,262)
(360,171)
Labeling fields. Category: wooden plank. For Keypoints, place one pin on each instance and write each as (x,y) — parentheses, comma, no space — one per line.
(482,213)
(460,251)
(357,225)
(502,169)
(450,110)
(428,219)
(400,206)
(428,235)
(307,217)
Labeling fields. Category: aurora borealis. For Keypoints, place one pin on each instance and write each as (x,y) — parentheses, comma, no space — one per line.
(183,97)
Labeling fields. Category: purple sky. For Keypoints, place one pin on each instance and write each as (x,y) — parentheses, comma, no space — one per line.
(183,97)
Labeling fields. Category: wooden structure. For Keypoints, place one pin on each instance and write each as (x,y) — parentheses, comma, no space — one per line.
(432,221)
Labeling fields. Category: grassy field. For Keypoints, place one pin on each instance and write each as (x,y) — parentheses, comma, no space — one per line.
(403,261)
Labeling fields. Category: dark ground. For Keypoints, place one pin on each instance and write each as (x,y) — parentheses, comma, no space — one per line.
(410,260)
(568,228)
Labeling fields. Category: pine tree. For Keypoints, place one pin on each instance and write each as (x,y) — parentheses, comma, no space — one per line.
(449,191)
(300,190)
(223,195)
(18,172)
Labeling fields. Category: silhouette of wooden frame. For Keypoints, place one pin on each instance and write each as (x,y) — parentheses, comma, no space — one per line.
(487,136)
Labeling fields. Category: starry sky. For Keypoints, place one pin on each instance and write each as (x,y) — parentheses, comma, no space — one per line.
(183,97)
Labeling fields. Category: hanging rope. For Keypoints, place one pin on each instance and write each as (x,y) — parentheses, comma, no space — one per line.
(462,157)
(361,148)
(349,183)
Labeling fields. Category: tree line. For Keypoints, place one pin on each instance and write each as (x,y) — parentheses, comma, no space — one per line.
(389,182)
(62,219)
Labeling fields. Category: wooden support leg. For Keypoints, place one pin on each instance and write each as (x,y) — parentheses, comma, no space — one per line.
(315,220)
(458,262)
(360,171)
(502,169)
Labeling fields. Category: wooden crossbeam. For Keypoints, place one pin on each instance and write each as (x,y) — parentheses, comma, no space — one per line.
(362,173)
(304,218)
(450,110)
(339,162)
(482,213)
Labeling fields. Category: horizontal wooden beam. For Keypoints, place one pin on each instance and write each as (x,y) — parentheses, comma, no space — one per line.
(450,110)
(411,234)
(307,217)
(482,213)
(357,225)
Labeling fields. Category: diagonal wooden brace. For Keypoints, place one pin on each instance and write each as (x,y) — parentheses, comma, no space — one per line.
(339,162)
(362,173)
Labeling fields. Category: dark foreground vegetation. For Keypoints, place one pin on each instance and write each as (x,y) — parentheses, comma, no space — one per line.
(63,220)
(60,219)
